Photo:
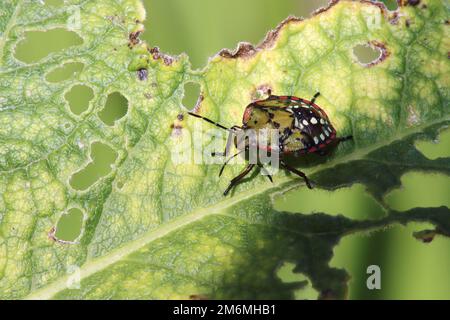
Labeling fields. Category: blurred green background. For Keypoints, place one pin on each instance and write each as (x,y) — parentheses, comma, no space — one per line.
(410,269)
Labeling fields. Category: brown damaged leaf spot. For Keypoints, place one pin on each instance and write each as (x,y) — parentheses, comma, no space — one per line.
(393,19)
(323,9)
(244,49)
(197,106)
(177,129)
(379,4)
(384,53)
(142,74)
(405,3)
(261,91)
(52,236)
(156,55)
(247,50)
(133,38)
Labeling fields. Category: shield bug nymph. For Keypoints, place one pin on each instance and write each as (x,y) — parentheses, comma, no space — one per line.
(303,128)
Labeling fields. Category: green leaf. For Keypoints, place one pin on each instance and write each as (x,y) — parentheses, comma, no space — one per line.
(154,228)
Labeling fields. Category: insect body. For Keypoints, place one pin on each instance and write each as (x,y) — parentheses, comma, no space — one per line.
(302,126)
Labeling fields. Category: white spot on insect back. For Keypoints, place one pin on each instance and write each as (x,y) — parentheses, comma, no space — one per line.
(316,140)
(327,133)
(305,122)
(329,129)
(322,137)
(322,121)
(313,120)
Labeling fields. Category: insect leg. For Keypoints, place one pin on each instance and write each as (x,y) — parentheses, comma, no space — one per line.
(297,172)
(269,176)
(228,160)
(342,139)
(228,145)
(238,178)
(314,97)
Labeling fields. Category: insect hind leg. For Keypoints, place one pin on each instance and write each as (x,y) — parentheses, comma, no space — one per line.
(267,173)
(297,172)
(238,178)
(346,138)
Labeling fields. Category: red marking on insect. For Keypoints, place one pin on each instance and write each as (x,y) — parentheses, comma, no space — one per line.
(315,106)
(247,114)
(312,149)
(322,145)
(265,148)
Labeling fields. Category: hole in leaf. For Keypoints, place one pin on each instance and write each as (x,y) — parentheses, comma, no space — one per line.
(420,190)
(39,44)
(286,274)
(203,27)
(409,268)
(390,4)
(65,72)
(79,97)
(366,54)
(103,156)
(116,107)
(69,225)
(191,94)
(436,149)
(353,202)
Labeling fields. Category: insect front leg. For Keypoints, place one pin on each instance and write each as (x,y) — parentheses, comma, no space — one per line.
(238,178)
(269,176)
(228,145)
(297,172)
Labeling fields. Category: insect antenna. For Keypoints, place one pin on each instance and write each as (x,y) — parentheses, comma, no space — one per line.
(209,120)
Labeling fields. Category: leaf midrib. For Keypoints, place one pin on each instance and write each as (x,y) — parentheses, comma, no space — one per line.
(98,264)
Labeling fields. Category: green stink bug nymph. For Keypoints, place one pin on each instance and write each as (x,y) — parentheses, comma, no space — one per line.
(302,125)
